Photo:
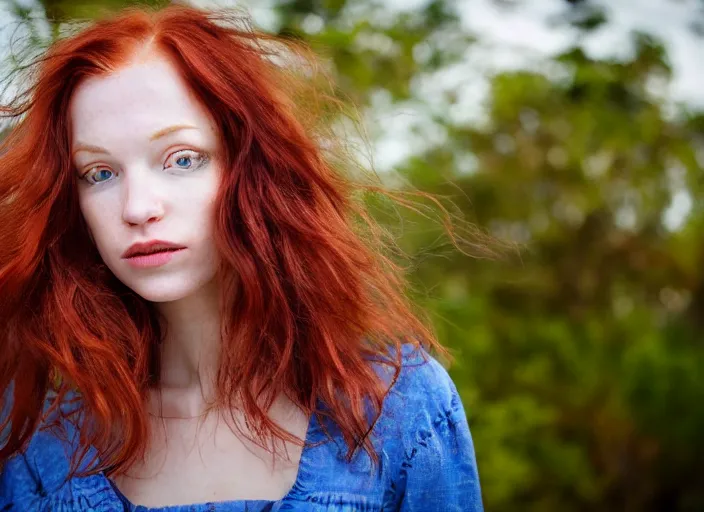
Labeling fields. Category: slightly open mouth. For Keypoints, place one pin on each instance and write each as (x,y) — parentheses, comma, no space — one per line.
(171,249)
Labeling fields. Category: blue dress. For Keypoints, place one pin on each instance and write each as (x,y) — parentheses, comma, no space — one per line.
(427,463)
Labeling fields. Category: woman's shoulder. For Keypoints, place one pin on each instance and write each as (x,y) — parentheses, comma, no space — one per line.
(425,456)
(423,391)
(36,477)
(423,433)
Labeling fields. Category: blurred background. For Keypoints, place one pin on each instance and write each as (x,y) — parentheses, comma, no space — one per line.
(574,128)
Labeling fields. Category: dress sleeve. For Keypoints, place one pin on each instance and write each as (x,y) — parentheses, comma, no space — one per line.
(29,477)
(438,471)
(5,498)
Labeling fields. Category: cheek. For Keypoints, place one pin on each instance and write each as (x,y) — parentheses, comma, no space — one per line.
(93,216)
(86,213)
(203,205)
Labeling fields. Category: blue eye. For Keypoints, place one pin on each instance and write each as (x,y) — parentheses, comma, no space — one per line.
(103,174)
(182,160)
(97,175)
(187,159)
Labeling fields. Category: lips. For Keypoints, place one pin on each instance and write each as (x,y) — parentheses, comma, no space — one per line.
(151,247)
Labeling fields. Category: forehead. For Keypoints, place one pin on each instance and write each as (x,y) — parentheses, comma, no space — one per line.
(133,102)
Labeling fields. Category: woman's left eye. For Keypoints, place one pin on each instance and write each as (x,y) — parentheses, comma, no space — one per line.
(186,159)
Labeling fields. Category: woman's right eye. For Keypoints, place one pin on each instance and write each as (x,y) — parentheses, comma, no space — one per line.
(97,175)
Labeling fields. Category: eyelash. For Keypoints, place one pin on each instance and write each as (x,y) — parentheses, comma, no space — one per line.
(199,155)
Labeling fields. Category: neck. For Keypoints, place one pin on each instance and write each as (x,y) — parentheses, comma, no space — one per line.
(190,351)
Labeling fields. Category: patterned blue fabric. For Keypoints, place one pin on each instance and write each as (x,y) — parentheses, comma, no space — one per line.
(427,463)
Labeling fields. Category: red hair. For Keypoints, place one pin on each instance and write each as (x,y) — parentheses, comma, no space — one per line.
(310,294)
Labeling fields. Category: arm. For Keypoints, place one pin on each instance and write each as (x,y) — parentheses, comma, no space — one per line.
(439,470)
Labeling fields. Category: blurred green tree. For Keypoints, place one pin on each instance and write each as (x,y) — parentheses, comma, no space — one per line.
(581,364)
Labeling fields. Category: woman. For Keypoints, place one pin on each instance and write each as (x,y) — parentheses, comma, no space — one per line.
(194,318)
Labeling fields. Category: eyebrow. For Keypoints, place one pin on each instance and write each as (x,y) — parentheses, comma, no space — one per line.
(156,135)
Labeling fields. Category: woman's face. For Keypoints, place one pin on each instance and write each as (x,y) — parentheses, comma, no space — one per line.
(145,153)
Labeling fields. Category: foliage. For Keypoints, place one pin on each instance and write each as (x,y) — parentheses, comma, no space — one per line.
(580,362)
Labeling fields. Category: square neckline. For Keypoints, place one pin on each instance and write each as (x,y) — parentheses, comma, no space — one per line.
(207,506)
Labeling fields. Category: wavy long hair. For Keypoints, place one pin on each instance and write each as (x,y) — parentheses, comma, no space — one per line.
(310,289)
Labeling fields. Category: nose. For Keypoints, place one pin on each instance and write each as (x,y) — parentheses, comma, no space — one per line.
(142,202)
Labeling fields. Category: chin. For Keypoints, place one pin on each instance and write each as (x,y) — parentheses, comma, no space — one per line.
(169,285)
(158,295)
(168,288)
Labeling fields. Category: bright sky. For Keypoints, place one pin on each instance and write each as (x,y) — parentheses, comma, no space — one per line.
(522,38)
(526,30)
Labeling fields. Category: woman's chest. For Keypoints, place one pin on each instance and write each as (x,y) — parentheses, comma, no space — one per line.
(189,463)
